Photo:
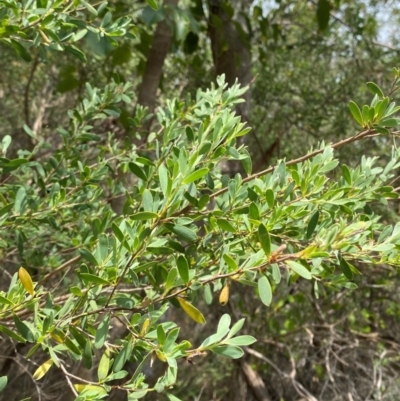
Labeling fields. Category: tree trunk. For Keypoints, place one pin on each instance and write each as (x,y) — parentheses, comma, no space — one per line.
(155,61)
(231,54)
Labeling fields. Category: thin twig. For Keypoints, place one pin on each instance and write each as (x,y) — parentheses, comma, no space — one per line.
(66,374)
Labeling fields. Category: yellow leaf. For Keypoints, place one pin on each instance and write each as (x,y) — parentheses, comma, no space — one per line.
(42,369)
(161,356)
(57,338)
(145,326)
(192,312)
(224,295)
(81,387)
(26,280)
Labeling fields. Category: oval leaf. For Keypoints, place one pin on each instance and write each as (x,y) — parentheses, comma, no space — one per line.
(183,268)
(312,224)
(225,225)
(228,351)
(102,331)
(224,295)
(26,280)
(265,240)
(265,290)
(3,382)
(144,216)
(42,369)
(375,89)
(241,341)
(299,269)
(356,112)
(104,365)
(191,311)
(153,4)
(92,278)
(196,175)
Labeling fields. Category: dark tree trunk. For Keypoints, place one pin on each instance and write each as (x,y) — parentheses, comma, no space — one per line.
(230,49)
(155,61)
(231,54)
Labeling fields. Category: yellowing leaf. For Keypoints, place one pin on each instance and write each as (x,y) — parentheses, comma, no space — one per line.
(81,387)
(26,280)
(42,369)
(161,356)
(191,311)
(224,295)
(57,338)
(143,330)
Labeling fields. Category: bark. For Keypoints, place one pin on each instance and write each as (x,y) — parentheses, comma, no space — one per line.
(155,61)
(147,90)
(230,50)
(232,57)
(255,382)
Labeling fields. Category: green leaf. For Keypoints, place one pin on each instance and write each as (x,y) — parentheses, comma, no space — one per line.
(264,290)
(164,180)
(346,174)
(390,122)
(196,175)
(225,225)
(76,52)
(170,340)
(172,397)
(153,4)
(381,130)
(29,132)
(88,256)
(5,301)
(24,330)
(299,269)
(72,346)
(265,240)
(19,199)
(181,231)
(101,332)
(312,224)
(104,365)
(147,201)
(183,268)
(172,274)
(3,382)
(345,267)
(78,336)
(161,337)
(123,356)
(269,195)
(103,247)
(228,351)
(144,216)
(135,169)
(118,233)
(11,334)
(22,52)
(230,262)
(236,327)
(91,278)
(240,341)
(323,14)
(375,89)
(356,112)
(89,7)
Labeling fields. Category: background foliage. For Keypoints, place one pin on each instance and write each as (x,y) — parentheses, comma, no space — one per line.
(134,225)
